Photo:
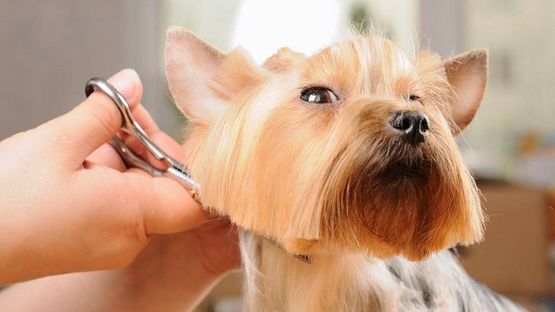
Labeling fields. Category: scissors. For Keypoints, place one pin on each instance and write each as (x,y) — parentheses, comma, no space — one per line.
(176,170)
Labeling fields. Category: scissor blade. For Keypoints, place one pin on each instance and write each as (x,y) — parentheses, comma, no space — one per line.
(132,160)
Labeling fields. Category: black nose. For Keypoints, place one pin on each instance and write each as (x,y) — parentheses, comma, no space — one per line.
(413,126)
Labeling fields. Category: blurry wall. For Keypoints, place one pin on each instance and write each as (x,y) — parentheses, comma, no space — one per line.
(442,26)
(520,100)
(48,49)
(212,20)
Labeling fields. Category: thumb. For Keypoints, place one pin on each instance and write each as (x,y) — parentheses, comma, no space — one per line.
(165,206)
(97,119)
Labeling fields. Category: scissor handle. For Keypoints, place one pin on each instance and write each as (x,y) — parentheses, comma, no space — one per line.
(128,122)
(175,170)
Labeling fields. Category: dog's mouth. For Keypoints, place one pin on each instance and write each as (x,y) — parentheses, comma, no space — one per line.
(402,170)
(395,199)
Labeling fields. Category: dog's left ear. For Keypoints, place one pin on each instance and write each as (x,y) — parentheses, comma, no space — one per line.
(467,74)
(283,59)
(201,79)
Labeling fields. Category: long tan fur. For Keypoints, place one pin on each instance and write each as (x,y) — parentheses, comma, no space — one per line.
(332,181)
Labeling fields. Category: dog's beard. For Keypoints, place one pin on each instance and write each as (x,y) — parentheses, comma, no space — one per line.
(395,198)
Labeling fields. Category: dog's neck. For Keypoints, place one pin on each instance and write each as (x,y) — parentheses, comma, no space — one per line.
(285,283)
(277,281)
(301,257)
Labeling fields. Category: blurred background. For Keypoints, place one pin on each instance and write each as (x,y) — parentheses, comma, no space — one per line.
(48,49)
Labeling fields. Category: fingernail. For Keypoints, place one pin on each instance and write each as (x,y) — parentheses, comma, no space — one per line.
(125,82)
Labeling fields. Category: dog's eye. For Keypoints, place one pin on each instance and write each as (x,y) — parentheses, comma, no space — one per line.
(414,98)
(318,95)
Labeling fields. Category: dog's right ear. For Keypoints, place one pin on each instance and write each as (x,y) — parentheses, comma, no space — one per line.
(201,79)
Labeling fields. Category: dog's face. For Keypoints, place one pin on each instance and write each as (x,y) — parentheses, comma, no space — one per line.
(349,149)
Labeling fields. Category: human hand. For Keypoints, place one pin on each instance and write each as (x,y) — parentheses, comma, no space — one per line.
(70,205)
(173,273)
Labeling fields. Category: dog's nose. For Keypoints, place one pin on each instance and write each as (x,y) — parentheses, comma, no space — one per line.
(412,125)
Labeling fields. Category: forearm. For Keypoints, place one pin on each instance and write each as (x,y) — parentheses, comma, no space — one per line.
(77,291)
(113,290)
(20,260)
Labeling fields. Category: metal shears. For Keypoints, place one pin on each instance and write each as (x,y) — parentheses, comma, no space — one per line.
(176,170)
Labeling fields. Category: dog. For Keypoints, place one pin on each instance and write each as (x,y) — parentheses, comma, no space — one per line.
(341,168)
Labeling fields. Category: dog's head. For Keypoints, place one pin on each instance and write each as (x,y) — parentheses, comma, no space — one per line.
(349,149)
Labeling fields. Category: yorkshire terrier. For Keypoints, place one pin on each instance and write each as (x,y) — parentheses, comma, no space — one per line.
(342,170)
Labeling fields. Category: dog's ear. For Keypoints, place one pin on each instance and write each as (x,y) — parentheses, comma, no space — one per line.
(467,74)
(201,79)
(284,59)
